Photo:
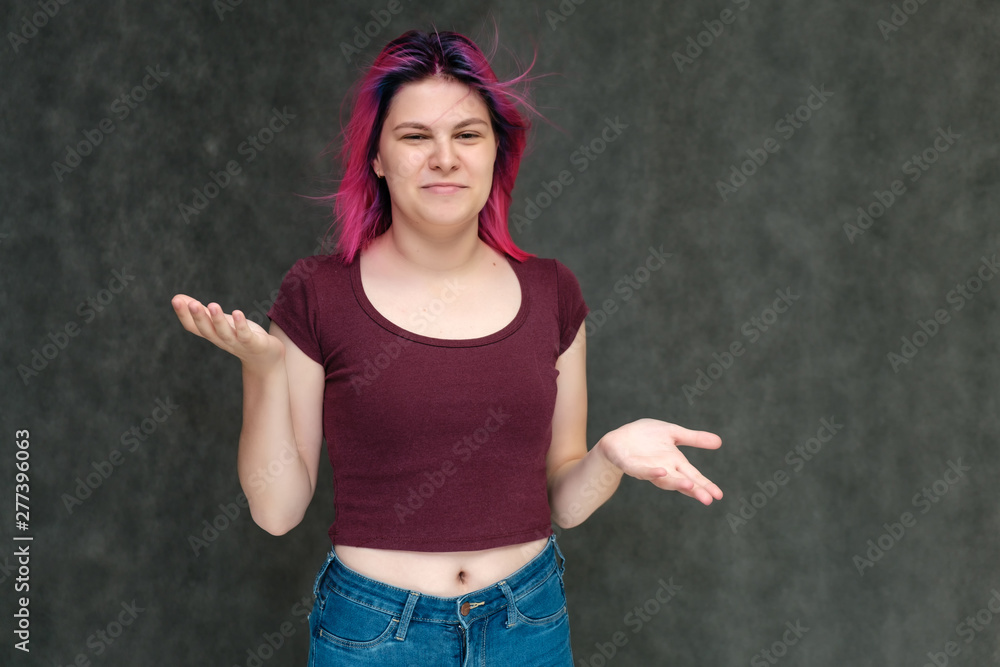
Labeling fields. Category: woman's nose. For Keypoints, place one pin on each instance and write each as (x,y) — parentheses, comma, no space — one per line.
(442,155)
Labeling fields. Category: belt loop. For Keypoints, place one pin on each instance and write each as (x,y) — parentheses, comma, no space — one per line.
(511,608)
(562,563)
(404,621)
(322,570)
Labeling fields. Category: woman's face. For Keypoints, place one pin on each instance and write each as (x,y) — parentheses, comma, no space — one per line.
(437,131)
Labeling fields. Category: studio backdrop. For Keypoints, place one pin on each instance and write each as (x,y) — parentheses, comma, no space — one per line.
(784,217)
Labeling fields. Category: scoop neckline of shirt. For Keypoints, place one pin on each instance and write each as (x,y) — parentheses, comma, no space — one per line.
(390,326)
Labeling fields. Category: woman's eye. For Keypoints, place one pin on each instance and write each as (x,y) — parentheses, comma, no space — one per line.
(464,135)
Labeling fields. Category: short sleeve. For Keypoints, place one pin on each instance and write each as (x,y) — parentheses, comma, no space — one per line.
(572,308)
(295,310)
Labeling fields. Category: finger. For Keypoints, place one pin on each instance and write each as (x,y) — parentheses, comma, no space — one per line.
(700,494)
(707,492)
(673,482)
(691,483)
(189,316)
(203,320)
(178,301)
(223,328)
(692,473)
(645,472)
(689,438)
(704,495)
(180,304)
(700,481)
(243,333)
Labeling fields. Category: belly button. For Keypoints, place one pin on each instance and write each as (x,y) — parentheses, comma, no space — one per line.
(461,576)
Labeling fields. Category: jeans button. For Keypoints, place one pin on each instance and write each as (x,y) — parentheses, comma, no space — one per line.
(465,608)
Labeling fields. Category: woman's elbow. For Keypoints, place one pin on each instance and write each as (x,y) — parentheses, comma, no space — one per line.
(571,517)
(274,524)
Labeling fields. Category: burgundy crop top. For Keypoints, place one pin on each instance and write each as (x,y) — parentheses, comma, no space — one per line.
(436,444)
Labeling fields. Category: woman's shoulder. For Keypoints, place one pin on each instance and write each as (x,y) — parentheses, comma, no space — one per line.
(328,262)
(319,270)
(549,267)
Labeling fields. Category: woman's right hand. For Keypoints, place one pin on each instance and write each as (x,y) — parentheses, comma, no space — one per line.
(234,333)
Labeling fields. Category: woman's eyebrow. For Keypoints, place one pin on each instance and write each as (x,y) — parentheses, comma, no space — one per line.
(420,126)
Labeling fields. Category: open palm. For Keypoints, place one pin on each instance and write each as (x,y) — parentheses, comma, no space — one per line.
(647,449)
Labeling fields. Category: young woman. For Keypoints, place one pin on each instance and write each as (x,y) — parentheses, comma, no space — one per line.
(446,369)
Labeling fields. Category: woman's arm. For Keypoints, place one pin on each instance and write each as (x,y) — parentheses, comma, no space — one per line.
(282,436)
(582,485)
(580,481)
(282,412)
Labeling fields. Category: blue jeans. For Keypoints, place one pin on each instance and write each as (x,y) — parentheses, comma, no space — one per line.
(521,620)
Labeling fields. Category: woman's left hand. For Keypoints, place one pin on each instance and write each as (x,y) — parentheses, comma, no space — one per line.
(647,449)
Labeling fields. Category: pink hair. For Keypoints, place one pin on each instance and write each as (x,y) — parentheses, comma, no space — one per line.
(361,205)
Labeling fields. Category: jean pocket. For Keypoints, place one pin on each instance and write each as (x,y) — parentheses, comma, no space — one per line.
(546,603)
(345,622)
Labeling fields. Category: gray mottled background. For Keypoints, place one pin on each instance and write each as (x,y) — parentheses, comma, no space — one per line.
(906,457)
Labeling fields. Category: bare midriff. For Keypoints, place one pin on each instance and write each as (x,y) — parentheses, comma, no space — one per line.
(444,574)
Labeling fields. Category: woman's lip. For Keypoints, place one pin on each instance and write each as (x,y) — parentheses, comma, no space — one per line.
(443,189)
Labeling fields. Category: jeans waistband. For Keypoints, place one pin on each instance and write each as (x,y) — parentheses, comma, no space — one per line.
(463,609)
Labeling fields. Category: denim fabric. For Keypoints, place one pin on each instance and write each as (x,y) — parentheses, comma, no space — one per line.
(521,620)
